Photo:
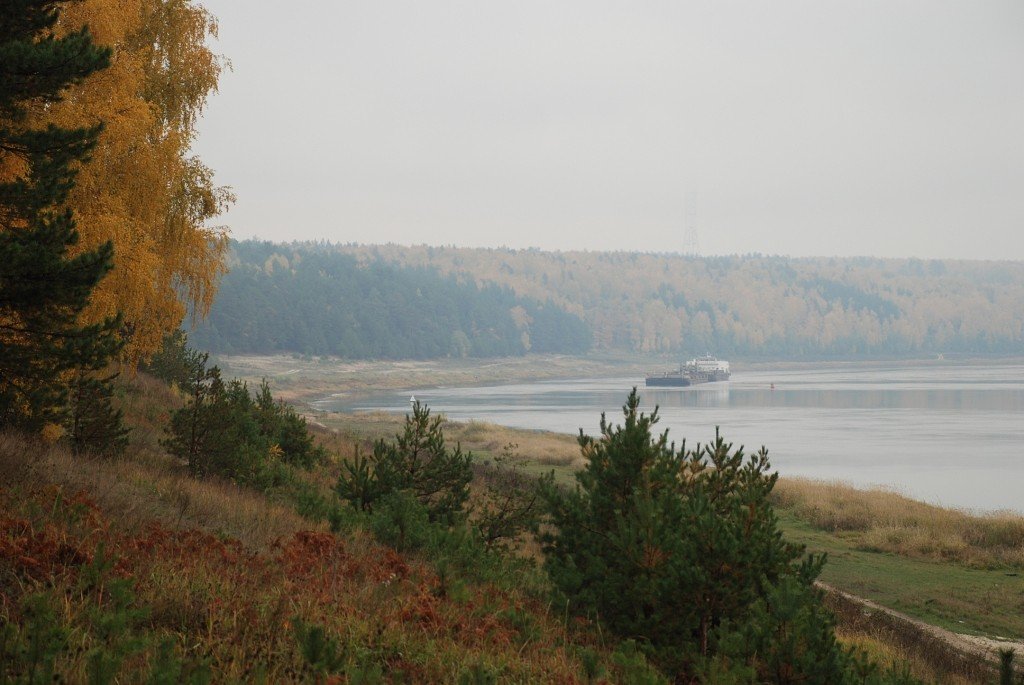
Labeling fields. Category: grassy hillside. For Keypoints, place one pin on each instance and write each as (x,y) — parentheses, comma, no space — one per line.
(211,602)
(127,565)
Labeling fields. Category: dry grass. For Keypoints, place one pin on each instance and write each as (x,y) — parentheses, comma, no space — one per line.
(893,639)
(878,520)
(147,403)
(889,654)
(220,602)
(141,487)
(220,572)
(539,447)
(340,432)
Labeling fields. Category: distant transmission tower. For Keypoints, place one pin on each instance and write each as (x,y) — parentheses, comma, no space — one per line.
(691,242)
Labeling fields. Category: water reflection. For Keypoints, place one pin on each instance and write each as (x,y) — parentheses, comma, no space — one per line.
(856,398)
(709,395)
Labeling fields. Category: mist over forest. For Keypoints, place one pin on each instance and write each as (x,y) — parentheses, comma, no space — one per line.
(421,302)
(311,300)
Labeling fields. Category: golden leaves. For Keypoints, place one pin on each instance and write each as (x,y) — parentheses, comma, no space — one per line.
(51,433)
(142,189)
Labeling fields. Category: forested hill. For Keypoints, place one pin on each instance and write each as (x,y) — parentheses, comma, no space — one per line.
(391,301)
(775,307)
(316,300)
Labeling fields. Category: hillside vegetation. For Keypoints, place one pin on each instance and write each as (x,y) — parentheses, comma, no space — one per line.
(185,589)
(754,306)
(947,567)
(130,567)
(315,301)
(758,305)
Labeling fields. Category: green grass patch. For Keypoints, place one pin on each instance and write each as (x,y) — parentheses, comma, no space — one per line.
(986,602)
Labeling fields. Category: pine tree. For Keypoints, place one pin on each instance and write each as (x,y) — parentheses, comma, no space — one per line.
(193,429)
(94,423)
(282,427)
(418,463)
(43,290)
(175,361)
(665,546)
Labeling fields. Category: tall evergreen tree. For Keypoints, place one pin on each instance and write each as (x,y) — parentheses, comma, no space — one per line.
(664,545)
(192,429)
(43,290)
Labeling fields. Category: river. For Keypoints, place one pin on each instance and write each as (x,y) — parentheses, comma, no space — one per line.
(947,433)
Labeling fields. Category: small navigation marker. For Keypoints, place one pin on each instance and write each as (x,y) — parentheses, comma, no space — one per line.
(412,399)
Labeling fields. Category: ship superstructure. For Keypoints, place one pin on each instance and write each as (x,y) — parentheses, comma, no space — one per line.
(706,369)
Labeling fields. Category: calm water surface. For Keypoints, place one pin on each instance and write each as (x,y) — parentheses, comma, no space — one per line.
(949,434)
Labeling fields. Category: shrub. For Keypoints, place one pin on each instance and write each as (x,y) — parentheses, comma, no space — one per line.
(94,424)
(417,462)
(175,362)
(632,667)
(28,651)
(281,426)
(223,431)
(401,522)
(510,504)
(680,551)
(787,636)
(320,650)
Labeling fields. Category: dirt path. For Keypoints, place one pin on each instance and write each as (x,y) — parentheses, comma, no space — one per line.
(972,656)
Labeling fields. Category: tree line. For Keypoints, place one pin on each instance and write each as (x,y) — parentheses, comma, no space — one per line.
(754,305)
(311,301)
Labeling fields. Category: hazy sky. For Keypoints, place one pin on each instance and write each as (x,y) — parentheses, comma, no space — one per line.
(812,127)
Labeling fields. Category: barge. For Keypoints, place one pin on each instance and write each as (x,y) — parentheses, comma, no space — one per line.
(706,369)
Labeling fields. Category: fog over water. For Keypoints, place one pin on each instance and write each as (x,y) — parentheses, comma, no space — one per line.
(951,434)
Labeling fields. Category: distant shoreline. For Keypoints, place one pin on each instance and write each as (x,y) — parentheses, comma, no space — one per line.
(304,380)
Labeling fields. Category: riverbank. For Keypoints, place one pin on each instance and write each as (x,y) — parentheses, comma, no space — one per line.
(303,379)
(939,565)
(945,567)
(300,379)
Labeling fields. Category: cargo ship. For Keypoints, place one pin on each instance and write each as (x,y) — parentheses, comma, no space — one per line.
(706,369)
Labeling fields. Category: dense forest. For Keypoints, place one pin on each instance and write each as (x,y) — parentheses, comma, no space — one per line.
(394,301)
(317,301)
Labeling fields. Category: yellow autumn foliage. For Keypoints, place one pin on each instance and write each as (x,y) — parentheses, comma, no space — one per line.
(51,433)
(143,189)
